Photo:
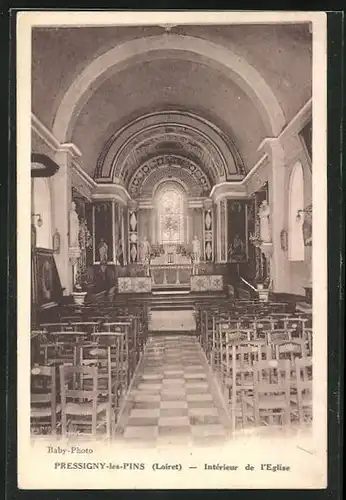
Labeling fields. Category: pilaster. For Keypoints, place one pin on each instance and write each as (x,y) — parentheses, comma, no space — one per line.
(62,198)
(279,273)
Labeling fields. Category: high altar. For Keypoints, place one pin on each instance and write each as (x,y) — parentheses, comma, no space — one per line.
(171,268)
(149,244)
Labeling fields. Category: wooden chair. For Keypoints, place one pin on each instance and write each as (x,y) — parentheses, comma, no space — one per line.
(118,360)
(122,329)
(290,349)
(278,335)
(104,354)
(134,345)
(238,379)
(81,402)
(302,401)
(270,402)
(308,338)
(44,409)
(38,339)
(68,344)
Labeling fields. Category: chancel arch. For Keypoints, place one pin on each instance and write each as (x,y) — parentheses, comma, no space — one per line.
(174,173)
(174,132)
(232,65)
(164,163)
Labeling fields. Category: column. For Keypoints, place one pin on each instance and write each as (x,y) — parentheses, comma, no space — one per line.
(123,218)
(221,230)
(61,202)
(208,230)
(133,244)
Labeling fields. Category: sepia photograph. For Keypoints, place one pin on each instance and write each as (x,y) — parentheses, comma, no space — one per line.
(172,289)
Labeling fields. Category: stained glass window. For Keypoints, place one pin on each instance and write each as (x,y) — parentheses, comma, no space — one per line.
(170,204)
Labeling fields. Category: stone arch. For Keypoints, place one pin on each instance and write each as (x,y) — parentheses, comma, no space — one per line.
(195,136)
(230,63)
(194,171)
(174,173)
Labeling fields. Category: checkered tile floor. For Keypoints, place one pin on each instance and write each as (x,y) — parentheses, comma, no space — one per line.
(173,398)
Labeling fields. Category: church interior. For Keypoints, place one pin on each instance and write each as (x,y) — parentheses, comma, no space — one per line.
(171,231)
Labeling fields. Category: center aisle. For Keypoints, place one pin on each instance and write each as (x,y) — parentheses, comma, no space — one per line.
(174,398)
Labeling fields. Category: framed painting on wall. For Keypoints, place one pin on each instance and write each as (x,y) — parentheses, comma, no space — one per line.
(237,231)
(47,289)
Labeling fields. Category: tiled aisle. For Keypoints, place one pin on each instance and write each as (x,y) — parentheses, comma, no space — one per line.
(173,398)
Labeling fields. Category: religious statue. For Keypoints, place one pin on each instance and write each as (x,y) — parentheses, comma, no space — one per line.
(120,254)
(145,254)
(103,251)
(74,227)
(237,250)
(307,226)
(196,250)
(56,241)
(264,213)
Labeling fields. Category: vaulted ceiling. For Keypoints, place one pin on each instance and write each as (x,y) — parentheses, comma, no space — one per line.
(171,81)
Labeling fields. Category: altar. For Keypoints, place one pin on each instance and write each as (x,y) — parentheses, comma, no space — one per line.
(170,254)
(170,267)
(170,275)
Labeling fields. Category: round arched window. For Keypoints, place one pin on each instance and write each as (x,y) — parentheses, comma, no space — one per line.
(170,201)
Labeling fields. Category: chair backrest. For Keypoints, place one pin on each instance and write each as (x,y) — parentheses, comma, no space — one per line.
(65,334)
(291,349)
(265,323)
(117,326)
(304,374)
(51,327)
(43,385)
(272,377)
(86,326)
(279,334)
(297,324)
(73,386)
(249,354)
(237,335)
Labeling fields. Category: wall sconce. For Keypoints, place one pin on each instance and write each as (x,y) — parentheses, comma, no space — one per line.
(307,210)
(39,219)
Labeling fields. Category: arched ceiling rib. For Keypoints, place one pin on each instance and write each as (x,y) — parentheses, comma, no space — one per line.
(168,84)
(165,133)
(247,80)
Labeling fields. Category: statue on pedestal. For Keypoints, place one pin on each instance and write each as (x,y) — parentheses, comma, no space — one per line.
(237,249)
(196,254)
(119,254)
(103,251)
(196,250)
(264,213)
(145,251)
(74,227)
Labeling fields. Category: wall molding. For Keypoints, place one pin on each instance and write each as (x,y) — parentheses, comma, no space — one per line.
(298,121)
(44,133)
